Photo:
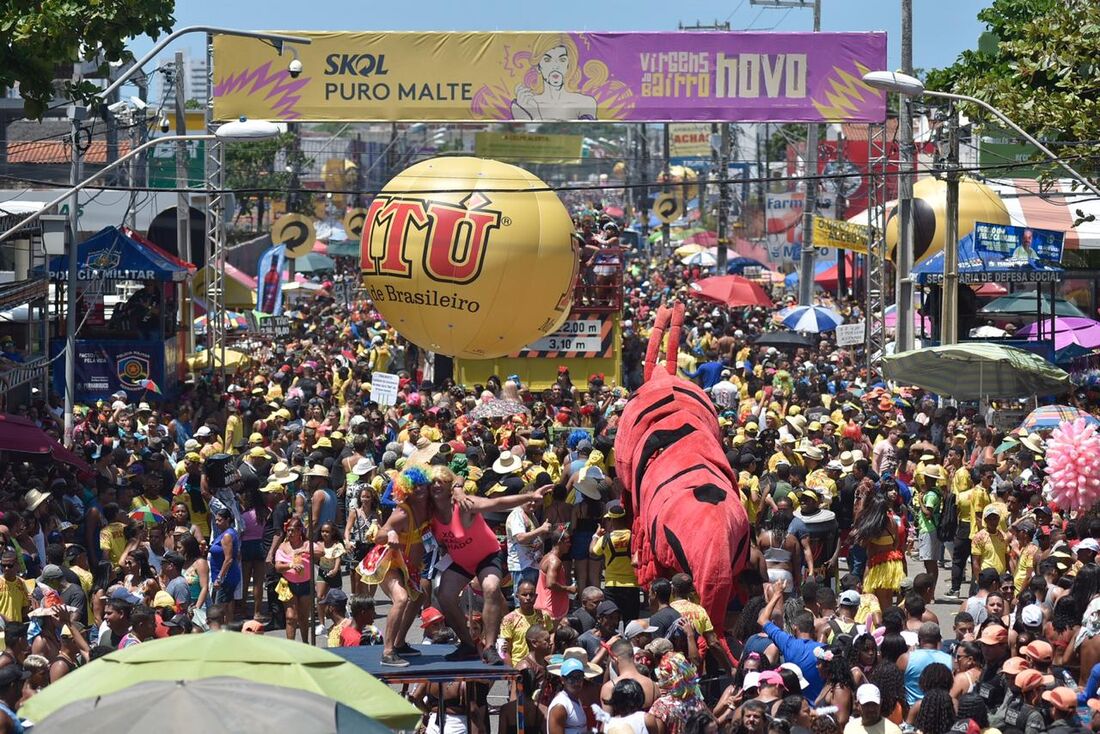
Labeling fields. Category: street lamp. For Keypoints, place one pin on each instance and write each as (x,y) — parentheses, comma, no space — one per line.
(904,84)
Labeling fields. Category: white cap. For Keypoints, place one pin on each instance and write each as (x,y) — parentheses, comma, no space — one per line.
(203,431)
(1088,544)
(849,598)
(752,680)
(868,693)
(802,682)
(1032,615)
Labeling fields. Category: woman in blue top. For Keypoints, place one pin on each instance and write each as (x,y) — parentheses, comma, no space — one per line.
(225,560)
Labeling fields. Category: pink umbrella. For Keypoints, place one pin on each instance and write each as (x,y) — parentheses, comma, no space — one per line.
(1068,331)
(731,291)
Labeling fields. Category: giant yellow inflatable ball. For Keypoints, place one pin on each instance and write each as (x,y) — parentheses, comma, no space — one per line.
(469,257)
(977,203)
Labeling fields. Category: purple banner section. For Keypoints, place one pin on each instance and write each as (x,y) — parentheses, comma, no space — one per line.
(639,77)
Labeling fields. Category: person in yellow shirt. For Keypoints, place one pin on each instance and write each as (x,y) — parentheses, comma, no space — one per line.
(112,541)
(749,484)
(786,451)
(234,429)
(15,601)
(150,496)
(989,548)
(1024,555)
(620,583)
(514,626)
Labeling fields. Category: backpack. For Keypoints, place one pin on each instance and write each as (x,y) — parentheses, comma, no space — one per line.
(949,518)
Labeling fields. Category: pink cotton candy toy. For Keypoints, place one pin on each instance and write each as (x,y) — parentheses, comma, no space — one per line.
(1073,465)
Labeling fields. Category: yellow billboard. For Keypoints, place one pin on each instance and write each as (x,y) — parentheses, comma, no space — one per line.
(532,147)
(842,235)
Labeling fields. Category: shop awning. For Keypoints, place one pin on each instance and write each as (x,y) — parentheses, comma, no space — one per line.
(111,255)
(1051,206)
(22,436)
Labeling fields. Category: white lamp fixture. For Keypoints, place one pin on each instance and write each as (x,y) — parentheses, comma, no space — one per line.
(245,129)
(894,81)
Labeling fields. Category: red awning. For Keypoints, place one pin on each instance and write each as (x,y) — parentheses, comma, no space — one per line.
(22,436)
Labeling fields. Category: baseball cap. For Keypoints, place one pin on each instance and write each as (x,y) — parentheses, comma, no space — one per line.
(568,667)
(1029,680)
(615,510)
(636,628)
(334,597)
(1061,698)
(121,594)
(1031,615)
(771,678)
(1015,666)
(994,634)
(752,680)
(430,616)
(163,599)
(868,693)
(51,572)
(849,598)
(802,682)
(606,607)
(991,510)
(1088,544)
(1040,650)
(11,673)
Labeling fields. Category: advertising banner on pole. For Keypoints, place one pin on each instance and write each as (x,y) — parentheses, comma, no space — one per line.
(639,77)
(841,235)
(784,225)
(512,147)
(689,140)
(269,283)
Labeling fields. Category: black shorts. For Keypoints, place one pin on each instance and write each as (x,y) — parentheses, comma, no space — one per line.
(496,559)
(300,588)
(252,550)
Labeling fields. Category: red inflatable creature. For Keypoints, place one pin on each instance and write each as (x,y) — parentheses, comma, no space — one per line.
(687,510)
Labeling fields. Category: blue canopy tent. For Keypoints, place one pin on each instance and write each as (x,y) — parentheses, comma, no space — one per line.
(142,342)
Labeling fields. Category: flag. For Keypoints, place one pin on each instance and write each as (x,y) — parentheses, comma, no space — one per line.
(150,385)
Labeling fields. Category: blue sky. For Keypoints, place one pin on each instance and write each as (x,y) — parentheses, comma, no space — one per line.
(941,28)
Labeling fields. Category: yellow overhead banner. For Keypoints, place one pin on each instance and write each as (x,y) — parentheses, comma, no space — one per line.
(841,235)
(531,77)
(532,147)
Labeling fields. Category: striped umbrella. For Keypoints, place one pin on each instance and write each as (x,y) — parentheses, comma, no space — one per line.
(1051,416)
(147,515)
(812,319)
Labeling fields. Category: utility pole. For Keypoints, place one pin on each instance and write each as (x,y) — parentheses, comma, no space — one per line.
(723,197)
(903,258)
(643,210)
(841,206)
(666,228)
(76,117)
(806,266)
(949,302)
(183,201)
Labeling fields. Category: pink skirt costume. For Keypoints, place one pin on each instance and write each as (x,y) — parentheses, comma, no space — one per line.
(472,549)
(382,559)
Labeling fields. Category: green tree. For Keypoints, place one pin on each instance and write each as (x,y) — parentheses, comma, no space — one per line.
(250,166)
(39,38)
(1039,63)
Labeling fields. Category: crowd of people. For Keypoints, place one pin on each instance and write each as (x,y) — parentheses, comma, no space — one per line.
(279,497)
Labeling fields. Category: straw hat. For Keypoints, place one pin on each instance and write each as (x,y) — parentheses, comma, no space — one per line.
(35,497)
(282,474)
(507,463)
(935,471)
(1033,442)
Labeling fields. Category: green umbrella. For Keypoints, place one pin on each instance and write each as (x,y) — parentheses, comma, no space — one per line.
(210,705)
(1023,304)
(314,262)
(974,370)
(255,658)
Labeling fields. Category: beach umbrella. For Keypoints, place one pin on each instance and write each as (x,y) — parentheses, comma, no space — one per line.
(256,658)
(686,250)
(210,705)
(736,265)
(784,340)
(890,319)
(976,369)
(812,319)
(497,409)
(731,291)
(233,360)
(234,322)
(1024,304)
(1051,416)
(147,515)
(313,262)
(1067,332)
(704,259)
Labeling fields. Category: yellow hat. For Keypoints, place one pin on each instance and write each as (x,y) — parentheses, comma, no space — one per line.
(192,456)
(774,406)
(282,413)
(163,599)
(271,487)
(256,438)
(323,443)
(257,452)
(738,440)
(337,436)
(794,410)
(723,422)
(814,426)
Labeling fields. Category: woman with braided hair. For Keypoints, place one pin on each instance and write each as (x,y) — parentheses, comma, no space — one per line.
(395,562)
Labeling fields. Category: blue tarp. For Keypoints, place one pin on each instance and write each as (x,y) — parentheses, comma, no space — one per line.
(111,255)
(975,267)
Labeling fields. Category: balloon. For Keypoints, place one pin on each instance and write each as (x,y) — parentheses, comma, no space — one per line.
(977,203)
(469,257)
